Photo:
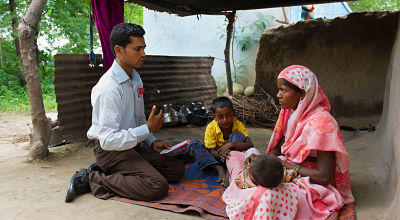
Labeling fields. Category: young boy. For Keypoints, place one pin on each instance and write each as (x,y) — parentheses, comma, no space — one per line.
(264,170)
(223,134)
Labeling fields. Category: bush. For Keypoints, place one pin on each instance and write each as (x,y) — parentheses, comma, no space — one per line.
(14,96)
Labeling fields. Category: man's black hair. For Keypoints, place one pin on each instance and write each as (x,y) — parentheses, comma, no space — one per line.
(291,85)
(120,34)
(267,171)
(221,101)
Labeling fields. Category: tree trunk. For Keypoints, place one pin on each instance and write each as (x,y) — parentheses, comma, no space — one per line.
(27,30)
(229,30)
(15,37)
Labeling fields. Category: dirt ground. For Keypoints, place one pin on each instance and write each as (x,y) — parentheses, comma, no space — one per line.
(36,190)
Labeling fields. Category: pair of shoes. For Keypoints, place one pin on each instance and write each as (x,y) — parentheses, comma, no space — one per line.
(78,184)
(95,167)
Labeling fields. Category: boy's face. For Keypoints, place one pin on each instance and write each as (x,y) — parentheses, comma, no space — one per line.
(224,116)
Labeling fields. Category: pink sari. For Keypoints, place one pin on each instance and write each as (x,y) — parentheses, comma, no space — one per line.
(310,128)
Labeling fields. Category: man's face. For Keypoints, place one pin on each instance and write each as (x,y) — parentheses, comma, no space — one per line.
(133,54)
(224,117)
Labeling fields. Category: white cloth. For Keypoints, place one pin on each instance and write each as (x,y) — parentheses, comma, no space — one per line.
(118,119)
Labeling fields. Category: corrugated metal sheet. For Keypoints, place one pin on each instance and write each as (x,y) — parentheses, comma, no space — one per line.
(167,79)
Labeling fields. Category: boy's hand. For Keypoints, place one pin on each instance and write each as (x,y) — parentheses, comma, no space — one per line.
(226,147)
(225,151)
(224,155)
(158,146)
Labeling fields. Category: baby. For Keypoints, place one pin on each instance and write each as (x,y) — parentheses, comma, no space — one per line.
(264,170)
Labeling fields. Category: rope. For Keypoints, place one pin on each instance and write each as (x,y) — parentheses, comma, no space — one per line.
(92,56)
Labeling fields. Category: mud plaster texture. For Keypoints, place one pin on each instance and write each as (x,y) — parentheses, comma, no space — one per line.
(37,190)
(350,56)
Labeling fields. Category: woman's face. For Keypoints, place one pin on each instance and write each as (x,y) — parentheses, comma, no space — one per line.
(288,97)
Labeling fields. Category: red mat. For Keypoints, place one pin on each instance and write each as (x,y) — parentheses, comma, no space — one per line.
(346,213)
(197,191)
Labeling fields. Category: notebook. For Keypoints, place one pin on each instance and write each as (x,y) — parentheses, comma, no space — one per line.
(176,146)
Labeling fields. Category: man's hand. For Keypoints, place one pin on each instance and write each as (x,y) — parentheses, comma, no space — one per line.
(155,122)
(158,146)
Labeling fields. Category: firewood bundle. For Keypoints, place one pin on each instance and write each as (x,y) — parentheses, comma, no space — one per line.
(258,109)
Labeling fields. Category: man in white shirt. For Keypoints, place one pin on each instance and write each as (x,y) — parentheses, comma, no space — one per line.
(127,154)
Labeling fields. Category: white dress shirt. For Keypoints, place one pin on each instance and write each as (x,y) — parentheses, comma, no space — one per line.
(118,119)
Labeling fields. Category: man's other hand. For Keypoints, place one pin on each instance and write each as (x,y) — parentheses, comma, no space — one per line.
(155,122)
(158,146)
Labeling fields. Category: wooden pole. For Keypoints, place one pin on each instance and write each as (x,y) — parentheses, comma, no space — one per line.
(229,30)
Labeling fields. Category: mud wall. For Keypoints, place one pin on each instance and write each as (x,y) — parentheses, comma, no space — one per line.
(350,56)
(389,133)
(357,61)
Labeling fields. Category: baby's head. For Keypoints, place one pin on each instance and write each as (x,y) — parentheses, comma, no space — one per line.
(266,170)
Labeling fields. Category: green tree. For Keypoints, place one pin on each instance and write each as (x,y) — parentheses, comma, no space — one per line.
(63,28)
(374,5)
(133,13)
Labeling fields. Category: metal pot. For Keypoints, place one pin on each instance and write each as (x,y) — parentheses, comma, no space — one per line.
(184,114)
(171,116)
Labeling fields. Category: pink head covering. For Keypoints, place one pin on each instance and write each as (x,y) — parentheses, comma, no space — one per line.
(311,127)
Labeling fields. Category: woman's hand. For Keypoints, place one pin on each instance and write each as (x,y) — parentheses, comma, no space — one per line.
(324,172)
(277,150)
(287,165)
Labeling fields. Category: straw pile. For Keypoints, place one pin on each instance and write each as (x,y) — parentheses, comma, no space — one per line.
(258,109)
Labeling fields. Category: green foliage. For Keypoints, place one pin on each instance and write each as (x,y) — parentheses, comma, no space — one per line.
(13,96)
(67,21)
(374,5)
(133,13)
(245,39)
(248,36)
(64,29)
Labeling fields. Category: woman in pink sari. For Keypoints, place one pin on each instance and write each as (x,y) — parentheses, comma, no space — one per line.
(307,139)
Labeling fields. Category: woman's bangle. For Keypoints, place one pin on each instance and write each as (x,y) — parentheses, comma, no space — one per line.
(297,168)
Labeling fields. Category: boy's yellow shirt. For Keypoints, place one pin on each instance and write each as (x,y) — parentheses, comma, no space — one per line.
(214,136)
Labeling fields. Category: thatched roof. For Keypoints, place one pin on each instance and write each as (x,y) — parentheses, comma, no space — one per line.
(218,7)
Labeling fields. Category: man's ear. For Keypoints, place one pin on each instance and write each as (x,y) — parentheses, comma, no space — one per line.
(118,49)
(234,112)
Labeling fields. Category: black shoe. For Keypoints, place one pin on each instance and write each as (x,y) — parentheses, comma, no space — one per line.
(78,184)
(95,167)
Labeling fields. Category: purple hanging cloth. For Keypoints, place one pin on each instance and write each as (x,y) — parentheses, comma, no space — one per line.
(107,14)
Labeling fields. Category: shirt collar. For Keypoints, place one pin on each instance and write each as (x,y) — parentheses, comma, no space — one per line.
(121,75)
(218,129)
